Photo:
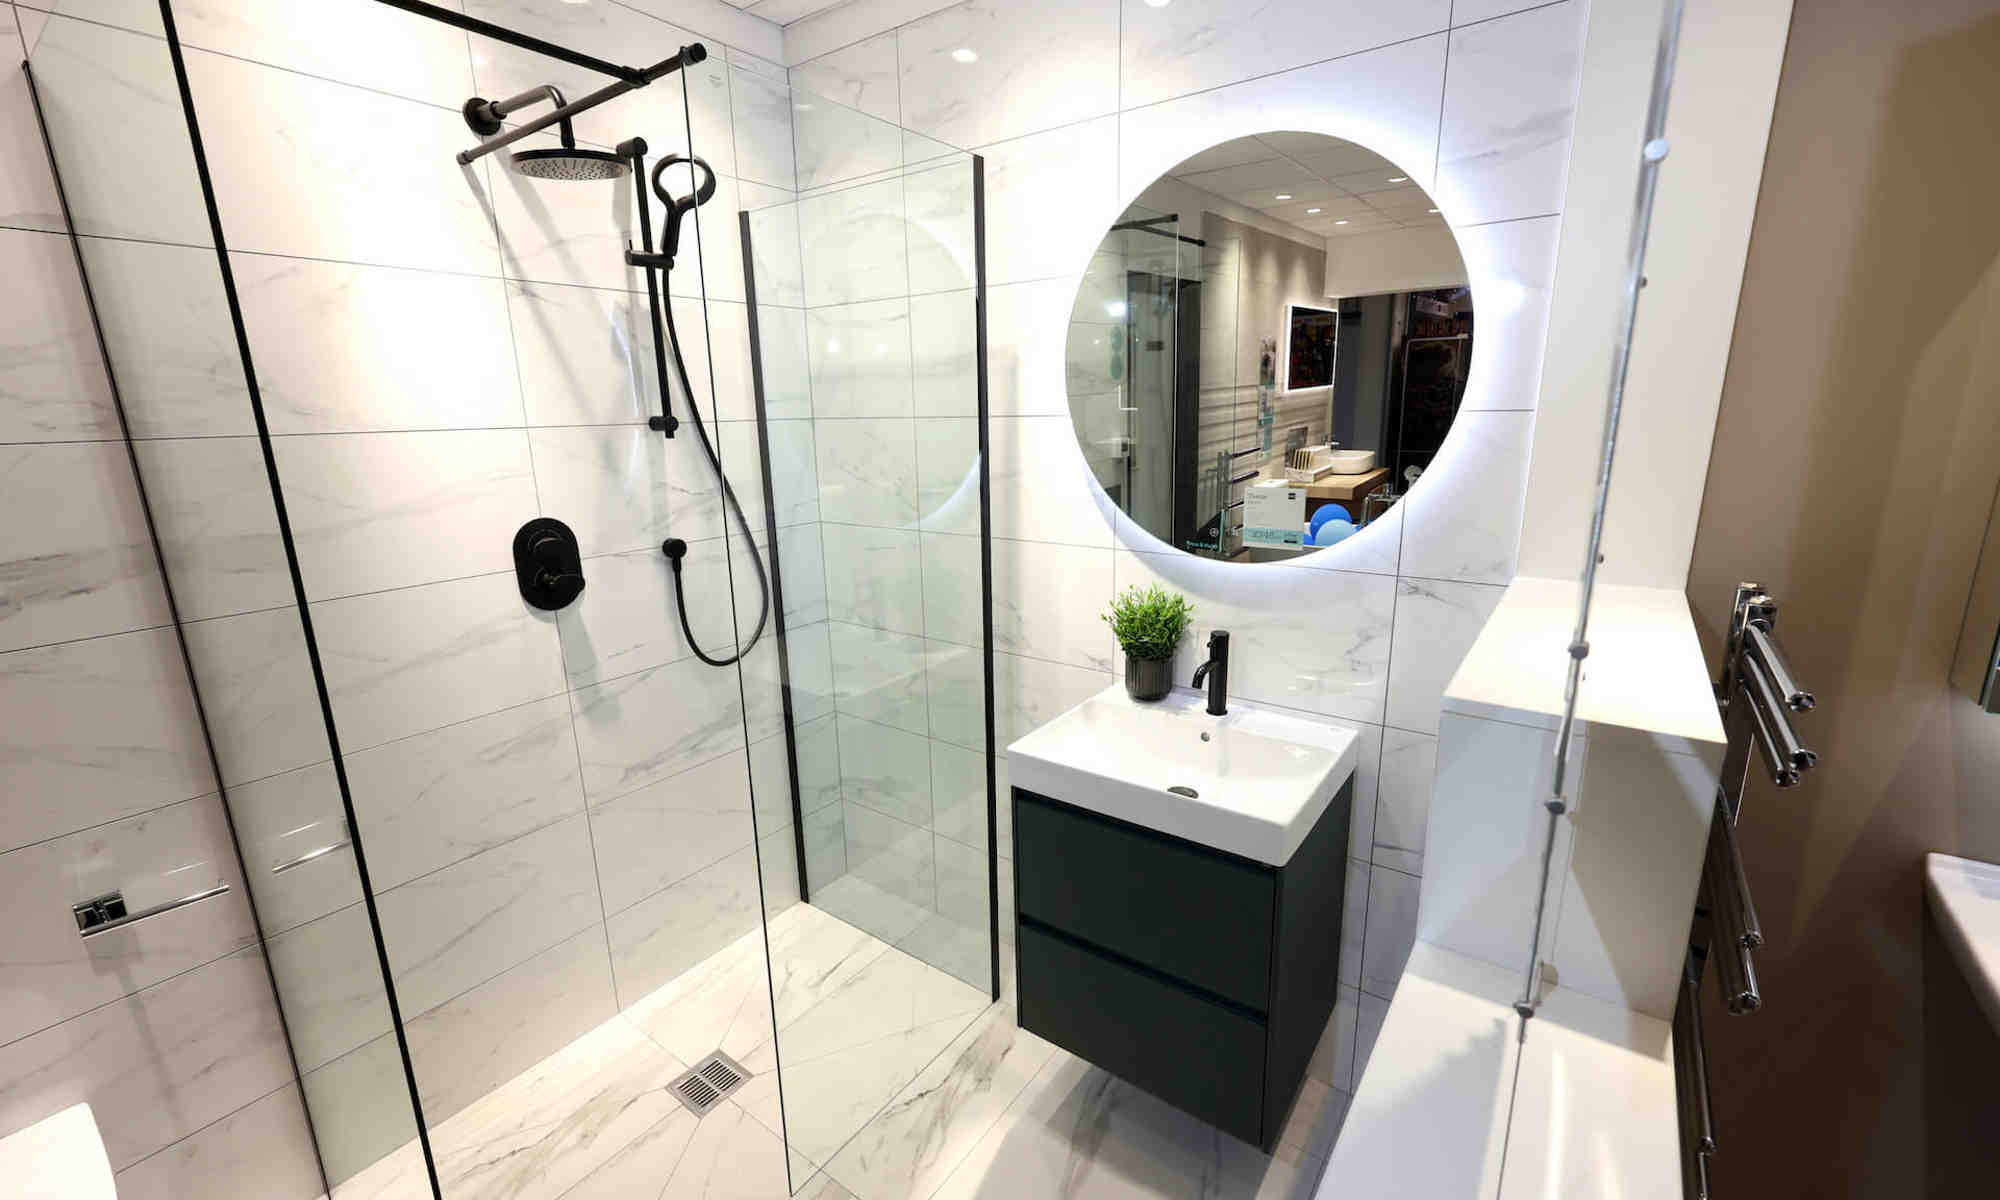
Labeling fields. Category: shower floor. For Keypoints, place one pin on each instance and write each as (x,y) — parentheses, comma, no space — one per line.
(903,1083)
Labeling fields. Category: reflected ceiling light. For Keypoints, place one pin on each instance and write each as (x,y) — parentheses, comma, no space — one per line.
(1434,210)
(1342,222)
(1284,195)
(1115,309)
(1158,3)
(964,54)
(1311,211)
(833,345)
(1399,179)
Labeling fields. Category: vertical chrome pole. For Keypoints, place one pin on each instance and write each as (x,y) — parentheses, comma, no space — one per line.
(1651,154)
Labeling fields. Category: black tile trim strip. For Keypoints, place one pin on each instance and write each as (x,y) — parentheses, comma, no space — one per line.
(986,568)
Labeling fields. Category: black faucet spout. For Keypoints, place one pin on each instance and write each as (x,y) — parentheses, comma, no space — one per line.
(1215,673)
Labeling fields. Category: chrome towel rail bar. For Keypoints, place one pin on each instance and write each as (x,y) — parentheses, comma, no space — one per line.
(102,914)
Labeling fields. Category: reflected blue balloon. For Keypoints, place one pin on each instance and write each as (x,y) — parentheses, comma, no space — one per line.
(1329,532)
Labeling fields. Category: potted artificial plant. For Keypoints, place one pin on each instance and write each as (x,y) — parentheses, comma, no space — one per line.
(1149,626)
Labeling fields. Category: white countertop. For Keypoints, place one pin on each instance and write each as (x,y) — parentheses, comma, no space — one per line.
(1645,669)
(1262,777)
(1965,898)
(57,1158)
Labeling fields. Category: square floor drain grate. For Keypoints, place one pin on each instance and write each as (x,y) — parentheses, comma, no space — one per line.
(712,1078)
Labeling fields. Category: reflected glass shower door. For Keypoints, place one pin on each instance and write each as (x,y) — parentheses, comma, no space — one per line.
(867,338)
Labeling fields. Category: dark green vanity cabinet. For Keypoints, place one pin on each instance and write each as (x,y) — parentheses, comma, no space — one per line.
(1200,976)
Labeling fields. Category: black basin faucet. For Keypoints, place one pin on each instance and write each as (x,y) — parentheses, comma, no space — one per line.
(1216,672)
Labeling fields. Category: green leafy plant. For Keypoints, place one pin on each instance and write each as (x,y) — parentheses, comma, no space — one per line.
(1149,624)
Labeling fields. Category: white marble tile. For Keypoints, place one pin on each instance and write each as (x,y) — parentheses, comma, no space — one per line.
(761,117)
(212,510)
(944,361)
(965,893)
(948,474)
(388,510)
(1509,112)
(95,730)
(1332,1062)
(394,195)
(1027,692)
(264,1148)
(1028,325)
(1368,1024)
(879,675)
(1049,602)
(861,76)
(178,368)
(52,974)
(81,568)
(1367,758)
(667,831)
(776,253)
(958,794)
(853,244)
(28,196)
(279,819)
(1465,12)
(647,1159)
(715,341)
(894,856)
(460,926)
(1314,640)
(867,471)
(623,487)
(473,1046)
(371,46)
(886,769)
(1171,50)
(115,116)
(860,355)
(868,906)
(560,232)
(364,1126)
(781,346)
(644,727)
(435,798)
(877,577)
(403,662)
(663,935)
(52,384)
(838,144)
(1041,488)
(330,983)
(1409,760)
(711,248)
(794,470)
(826,849)
(1038,65)
(1436,623)
(1512,266)
(1354,920)
(1072,171)
(257,693)
(937,195)
(732,1156)
(627,619)
(585,354)
(157,1066)
(1462,521)
(952,597)
(341,348)
(1392,929)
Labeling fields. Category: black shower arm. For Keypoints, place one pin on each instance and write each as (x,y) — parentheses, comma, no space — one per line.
(634,150)
(562,113)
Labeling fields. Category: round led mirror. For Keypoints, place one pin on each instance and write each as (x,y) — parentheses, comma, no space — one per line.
(1269,346)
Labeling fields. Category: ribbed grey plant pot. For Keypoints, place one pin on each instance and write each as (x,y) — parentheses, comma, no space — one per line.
(1148,678)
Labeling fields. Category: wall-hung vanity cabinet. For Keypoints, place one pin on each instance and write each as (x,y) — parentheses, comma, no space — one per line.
(1189,945)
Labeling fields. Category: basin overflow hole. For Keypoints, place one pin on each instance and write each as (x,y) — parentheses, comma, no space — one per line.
(1189,792)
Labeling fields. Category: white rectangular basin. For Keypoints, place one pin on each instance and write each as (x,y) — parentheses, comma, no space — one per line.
(1254,780)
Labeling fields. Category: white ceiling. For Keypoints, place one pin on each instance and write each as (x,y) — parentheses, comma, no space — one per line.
(783,12)
(1355,189)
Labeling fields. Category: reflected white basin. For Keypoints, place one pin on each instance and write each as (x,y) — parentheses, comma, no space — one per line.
(1260,777)
(60,1157)
(1351,462)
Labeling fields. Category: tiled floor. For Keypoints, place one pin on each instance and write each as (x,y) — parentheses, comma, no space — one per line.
(900,1082)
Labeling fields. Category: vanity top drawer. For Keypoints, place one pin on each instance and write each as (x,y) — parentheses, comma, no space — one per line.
(1195,914)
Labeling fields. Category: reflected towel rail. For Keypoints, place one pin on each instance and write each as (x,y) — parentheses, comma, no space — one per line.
(311,855)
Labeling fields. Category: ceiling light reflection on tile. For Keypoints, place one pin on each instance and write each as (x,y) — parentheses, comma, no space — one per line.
(964,55)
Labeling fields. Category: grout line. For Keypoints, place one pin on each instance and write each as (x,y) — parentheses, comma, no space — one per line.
(250,943)
(295,1084)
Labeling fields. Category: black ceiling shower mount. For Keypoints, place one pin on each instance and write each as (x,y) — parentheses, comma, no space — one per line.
(547,564)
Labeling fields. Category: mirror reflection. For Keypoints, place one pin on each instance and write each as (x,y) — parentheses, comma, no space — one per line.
(1269,346)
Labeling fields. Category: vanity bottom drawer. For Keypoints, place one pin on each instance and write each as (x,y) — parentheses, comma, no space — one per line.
(1196,1054)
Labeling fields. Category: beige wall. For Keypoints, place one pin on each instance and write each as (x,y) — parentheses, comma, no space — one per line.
(1854,464)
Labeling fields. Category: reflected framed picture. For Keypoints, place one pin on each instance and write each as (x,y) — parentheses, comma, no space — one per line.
(1310,338)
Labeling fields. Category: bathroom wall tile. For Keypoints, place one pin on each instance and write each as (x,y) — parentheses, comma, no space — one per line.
(877,577)
(158,1065)
(818,749)
(1436,623)
(777,253)
(463,1050)
(430,800)
(944,360)
(388,510)
(211,501)
(794,468)
(670,830)
(1466,12)
(1039,65)
(114,111)
(369,45)
(1463,520)
(867,472)
(711,247)
(1512,266)
(559,232)
(1408,762)
(403,662)
(861,76)
(119,712)
(1033,321)
(1316,640)
(1041,488)
(860,355)
(52,385)
(953,602)
(1027,691)
(1509,112)
(879,675)
(1173,50)
(264,1148)
(937,195)
(948,474)
(1372,1011)
(627,619)
(644,727)
(1332,1062)
(52,975)
(420,208)
(826,847)
(341,348)
(886,769)
(895,856)
(27,196)
(715,341)
(853,244)
(761,114)
(455,928)
(958,793)
(964,894)
(361,1110)
(655,940)
(781,343)
(802,559)
(812,680)
(838,144)
(622,487)
(778,871)
(178,367)
(80,568)
(257,692)
(1354,921)
(1392,929)
(279,819)
(1076,169)
(1367,760)
(1049,601)
(585,354)
(330,983)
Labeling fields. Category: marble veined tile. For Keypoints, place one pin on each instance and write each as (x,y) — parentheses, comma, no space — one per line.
(1509,114)
(641,728)
(860,76)
(262,1149)
(330,983)
(886,769)
(257,692)
(875,577)
(868,471)
(52,383)
(1436,623)
(1171,50)
(1030,66)
(676,928)
(667,831)
(211,501)
(83,567)
(282,817)
(177,365)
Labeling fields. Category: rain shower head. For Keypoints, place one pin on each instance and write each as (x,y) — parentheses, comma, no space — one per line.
(570,163)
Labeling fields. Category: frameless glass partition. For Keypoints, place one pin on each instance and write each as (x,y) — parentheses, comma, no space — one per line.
(867,304)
